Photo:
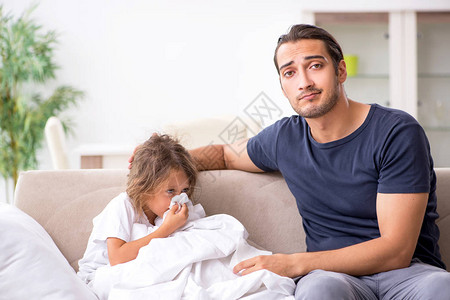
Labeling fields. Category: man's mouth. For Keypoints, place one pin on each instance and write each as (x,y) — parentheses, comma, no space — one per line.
(308,96)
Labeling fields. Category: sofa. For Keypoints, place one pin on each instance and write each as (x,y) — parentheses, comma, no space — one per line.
(65,202)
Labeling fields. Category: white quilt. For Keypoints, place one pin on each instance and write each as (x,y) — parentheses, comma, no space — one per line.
(31,265)
(193,263)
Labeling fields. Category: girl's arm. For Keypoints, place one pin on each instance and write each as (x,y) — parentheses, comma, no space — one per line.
(120,251)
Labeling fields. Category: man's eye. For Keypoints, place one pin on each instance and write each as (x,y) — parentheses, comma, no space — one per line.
(288,73)
(316,66)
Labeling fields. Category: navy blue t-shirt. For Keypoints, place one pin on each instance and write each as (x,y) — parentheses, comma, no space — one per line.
(336,184)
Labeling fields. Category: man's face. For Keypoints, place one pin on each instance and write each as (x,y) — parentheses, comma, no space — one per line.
(308,77)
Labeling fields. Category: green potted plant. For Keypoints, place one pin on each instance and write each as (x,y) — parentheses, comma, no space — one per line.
(26,60)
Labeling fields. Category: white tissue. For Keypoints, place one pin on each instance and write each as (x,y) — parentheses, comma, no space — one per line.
(180,200)
(195,211)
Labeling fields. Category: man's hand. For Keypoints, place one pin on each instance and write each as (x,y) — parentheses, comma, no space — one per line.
(130,160)
(280,264)
(399,216)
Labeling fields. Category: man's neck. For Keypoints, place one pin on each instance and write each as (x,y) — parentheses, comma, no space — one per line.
(345,117)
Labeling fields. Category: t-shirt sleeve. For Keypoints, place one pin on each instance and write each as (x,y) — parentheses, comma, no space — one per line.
(406,164)
(116,220)
(262,148)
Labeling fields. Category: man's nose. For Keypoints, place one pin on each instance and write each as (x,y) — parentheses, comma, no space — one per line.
(305,82)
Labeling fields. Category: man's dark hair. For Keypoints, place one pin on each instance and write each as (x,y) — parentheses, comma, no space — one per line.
(311,32)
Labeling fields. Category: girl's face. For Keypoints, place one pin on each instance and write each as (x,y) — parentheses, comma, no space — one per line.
(158,204)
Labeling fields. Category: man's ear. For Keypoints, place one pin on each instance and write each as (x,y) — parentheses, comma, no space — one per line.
(342,71)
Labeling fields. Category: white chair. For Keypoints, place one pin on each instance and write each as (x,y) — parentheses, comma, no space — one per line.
(56,141)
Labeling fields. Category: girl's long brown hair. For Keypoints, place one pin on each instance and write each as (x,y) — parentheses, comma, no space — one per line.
(151,167)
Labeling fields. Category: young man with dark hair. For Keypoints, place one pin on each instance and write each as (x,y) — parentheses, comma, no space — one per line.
(362,176)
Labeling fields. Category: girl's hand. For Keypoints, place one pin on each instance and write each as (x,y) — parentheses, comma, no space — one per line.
(120,251)
(175,220)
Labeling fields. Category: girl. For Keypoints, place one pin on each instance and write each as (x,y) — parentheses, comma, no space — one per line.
(161,169)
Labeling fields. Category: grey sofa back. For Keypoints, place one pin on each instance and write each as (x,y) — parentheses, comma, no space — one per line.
(65,202)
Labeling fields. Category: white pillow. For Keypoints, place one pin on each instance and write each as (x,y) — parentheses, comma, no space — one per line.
(31,266)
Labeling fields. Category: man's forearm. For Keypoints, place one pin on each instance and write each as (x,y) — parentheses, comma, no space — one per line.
(209,157)
(228,156)
(365,258)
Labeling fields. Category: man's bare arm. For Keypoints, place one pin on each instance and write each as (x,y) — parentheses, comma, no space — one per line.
(230,156)
(400,218)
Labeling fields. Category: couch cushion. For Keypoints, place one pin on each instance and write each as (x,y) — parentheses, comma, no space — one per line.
(65,202)
(69,219)
(262,202)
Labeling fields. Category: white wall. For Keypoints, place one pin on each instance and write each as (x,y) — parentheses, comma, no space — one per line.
(142,63)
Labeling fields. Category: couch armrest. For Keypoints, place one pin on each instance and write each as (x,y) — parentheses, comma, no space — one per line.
(443,208)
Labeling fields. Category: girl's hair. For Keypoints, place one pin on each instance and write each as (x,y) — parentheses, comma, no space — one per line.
(153,161)
(306,31)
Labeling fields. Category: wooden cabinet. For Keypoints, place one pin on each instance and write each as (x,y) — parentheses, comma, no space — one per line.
(433,81)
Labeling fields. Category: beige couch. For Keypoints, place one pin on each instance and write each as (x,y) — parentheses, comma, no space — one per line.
(64,203)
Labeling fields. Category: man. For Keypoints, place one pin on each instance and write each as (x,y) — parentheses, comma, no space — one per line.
(362,176)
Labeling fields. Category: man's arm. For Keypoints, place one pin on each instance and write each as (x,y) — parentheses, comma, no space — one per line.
(400,218)
(219,157)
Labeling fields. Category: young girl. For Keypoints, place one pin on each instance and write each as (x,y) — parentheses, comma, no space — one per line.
(161,169)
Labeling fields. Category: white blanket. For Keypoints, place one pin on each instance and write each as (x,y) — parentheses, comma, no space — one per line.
(194,263)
